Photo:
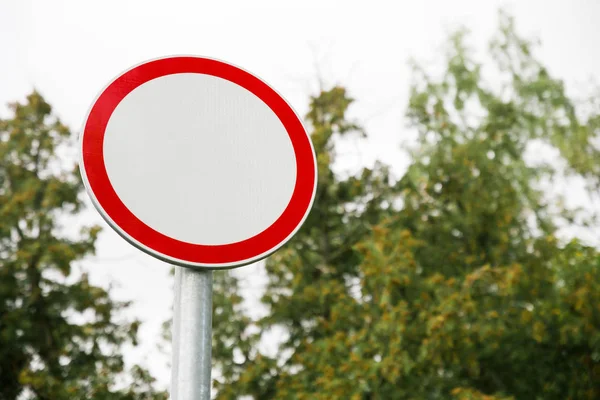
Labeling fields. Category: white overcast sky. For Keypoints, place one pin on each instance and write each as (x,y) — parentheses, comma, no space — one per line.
(69,50)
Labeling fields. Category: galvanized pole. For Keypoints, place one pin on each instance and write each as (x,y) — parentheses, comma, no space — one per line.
(192,335)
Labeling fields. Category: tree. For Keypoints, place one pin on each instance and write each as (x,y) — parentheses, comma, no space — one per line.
(60,336)
(451,282)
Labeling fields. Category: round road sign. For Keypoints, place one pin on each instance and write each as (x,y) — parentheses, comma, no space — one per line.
(198,162)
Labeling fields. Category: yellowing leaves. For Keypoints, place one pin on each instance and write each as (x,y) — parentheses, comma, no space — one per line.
(539,331)
(526,316)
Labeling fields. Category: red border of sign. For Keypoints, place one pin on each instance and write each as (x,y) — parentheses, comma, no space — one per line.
(123,219)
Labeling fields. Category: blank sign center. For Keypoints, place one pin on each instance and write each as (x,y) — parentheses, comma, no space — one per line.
(199,159)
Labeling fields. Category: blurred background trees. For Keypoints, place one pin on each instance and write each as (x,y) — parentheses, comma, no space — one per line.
(60,336)
(452,281)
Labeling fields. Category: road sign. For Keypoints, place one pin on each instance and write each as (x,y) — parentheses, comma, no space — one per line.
(198,162)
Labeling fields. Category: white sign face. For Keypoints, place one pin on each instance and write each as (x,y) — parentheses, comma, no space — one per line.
(198,162)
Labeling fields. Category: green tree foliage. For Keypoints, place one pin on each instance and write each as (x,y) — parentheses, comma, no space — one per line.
(60,336)
(450,282)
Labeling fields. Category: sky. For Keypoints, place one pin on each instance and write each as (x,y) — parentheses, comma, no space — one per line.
(69,50)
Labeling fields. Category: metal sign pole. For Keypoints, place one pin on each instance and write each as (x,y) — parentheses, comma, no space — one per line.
(192,335)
